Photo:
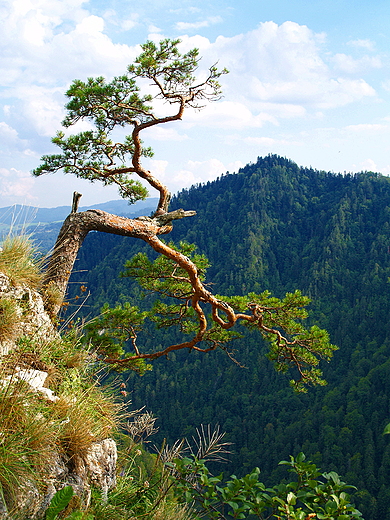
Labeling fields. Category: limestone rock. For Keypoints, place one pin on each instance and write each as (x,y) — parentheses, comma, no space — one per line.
(97,466)
(33,319)
(35,378)
(100,464)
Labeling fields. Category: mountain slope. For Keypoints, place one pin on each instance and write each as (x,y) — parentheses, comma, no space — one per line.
(276,226)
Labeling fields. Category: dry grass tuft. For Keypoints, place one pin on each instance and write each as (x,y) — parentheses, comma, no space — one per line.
(9,320)
(27,437)
(84,417)
(18,260)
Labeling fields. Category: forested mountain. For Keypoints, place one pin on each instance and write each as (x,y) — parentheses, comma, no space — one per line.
(276,226)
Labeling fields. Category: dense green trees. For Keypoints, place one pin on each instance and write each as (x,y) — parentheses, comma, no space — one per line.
(333,246)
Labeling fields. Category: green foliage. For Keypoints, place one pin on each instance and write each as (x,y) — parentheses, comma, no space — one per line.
(274,226)
(80,515)
(93,154)
(109,332)
(278,320)
(59,502)
(176,71)
(163,276)
(310,495)
(298,347)
(165,62)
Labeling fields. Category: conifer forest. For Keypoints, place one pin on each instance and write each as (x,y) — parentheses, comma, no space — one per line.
(274,226)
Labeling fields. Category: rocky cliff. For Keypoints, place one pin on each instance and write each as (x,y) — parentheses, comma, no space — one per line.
(55,422)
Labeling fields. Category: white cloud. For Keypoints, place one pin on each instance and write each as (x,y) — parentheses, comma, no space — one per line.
(350,65)
(283,110)
(56,42)
(384,170)
(279,74)
(227,114)
(154,29)
(185,10)
(16,184)
(366,165)
(386,85)
(367,128)
(202,171)
(270,142)
(39,108)
(8,133)
(364,44)
(57,46)
(277,71)
(276,52)
(34,21)
(89,51)
(341,92)
(128,24)
(158,168)
(192,172)
(283,67)
(193,26)
(160,133)
(11,142)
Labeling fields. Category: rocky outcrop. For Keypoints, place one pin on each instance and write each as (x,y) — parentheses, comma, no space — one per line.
(96,465)
(99,465)
(32,319)
(34,378)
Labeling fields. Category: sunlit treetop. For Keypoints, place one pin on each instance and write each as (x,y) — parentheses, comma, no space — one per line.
(95,154)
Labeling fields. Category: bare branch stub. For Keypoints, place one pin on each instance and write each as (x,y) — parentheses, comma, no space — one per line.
(76,201)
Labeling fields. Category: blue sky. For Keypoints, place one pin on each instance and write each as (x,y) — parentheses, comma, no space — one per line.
(309,80)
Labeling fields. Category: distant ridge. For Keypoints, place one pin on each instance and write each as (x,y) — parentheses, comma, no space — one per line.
(26,215)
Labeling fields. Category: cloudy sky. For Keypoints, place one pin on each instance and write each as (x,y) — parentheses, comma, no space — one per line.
(309,80)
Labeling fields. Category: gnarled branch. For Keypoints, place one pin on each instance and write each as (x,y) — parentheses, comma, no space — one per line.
(76,227)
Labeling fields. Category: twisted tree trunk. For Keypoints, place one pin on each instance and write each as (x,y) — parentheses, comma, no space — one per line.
(76,227)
